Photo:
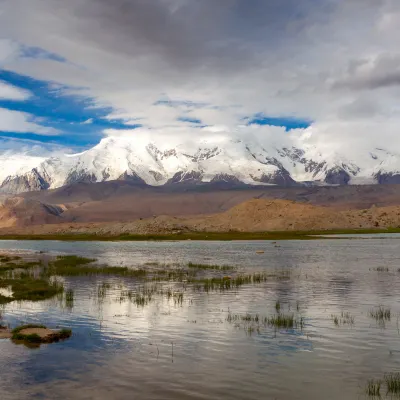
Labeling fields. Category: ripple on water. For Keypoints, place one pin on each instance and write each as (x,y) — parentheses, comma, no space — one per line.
(190,350)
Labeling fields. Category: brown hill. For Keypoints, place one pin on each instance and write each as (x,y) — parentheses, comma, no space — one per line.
(257,215)
(124,201)
(18,211)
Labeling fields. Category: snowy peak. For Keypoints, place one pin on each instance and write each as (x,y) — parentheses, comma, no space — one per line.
(221,159)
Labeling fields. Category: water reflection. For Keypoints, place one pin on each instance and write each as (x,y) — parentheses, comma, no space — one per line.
(168,349)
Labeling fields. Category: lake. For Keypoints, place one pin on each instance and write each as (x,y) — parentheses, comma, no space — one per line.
(214,345)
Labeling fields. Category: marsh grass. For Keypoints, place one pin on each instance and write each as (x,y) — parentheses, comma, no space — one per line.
(345,318)
(392,383)
(382,269)
(373,388)
(26,287)
(69,298)
(102,290)
(80,266)
(380,314)
(12,266)
(234,282)
(6,259)
(285,321)
(34,338)
(213,267)
(279,321)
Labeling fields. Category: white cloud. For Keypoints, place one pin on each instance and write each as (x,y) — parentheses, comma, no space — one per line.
(335,62)
(20,122)
(10,92)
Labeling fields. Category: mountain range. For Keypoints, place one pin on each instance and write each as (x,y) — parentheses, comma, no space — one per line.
(216,158)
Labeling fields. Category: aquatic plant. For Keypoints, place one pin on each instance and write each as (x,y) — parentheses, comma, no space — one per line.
(210,267)
(382,269)
(392,383)
(286,321)
(80,266)
(344,319)
(380,314)
(277,306)
(18,334)
(27,288)
(373,388)
(69,298)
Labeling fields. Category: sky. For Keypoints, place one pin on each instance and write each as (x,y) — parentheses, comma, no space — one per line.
(73,72)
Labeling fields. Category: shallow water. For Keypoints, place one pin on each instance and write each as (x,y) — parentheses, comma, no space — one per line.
(168,350)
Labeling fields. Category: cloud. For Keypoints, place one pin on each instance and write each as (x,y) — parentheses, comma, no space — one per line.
(217,62)
(10,92)
(19,122)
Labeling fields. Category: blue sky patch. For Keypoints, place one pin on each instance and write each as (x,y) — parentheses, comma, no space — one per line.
(288,123)
(66,113)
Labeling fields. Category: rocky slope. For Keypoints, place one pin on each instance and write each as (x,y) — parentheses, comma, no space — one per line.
(18,211)
(212,159)
(257,215)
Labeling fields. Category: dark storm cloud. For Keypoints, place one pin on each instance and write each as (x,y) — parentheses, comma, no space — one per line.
(224,34)
(382,72)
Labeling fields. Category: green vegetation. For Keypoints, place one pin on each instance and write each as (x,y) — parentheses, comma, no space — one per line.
(279,321)
(380,314)
(210,267)
(382,269)
(234,235)
(392,383)
(18,335)
(373,388)
(69,298)
(6,259)
(286,321)
(26,287)
(80,266)
(344,319)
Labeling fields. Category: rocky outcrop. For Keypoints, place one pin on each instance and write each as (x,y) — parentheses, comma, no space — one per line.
(337,176)
(387,178)
(30,182)
(185,177)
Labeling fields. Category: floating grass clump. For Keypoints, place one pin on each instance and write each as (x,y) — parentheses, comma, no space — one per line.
(280,320)
(210,267)
(228,282)
(11,266)
(37,334)
(392,383)
(286,321)
(80,266)
(344,319)
(6,259)
(27,288)
(380,314)
(382,269)
(373,388)
(69,298)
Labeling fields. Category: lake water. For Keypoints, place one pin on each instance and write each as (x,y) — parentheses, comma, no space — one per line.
(191,350)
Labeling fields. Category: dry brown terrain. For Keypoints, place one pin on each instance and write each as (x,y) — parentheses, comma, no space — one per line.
(257,215)
(120,207)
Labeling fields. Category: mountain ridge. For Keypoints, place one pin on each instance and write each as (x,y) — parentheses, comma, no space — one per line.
(211,160)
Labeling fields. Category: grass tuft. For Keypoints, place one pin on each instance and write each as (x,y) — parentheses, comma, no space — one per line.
(373,387)
(380,314)
(392,383)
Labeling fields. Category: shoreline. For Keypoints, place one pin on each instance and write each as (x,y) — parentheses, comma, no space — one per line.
(202,236)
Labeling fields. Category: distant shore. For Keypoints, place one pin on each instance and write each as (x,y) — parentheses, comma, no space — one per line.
(202,236)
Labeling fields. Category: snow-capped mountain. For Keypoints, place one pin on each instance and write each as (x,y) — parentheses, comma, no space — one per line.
(216,158)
